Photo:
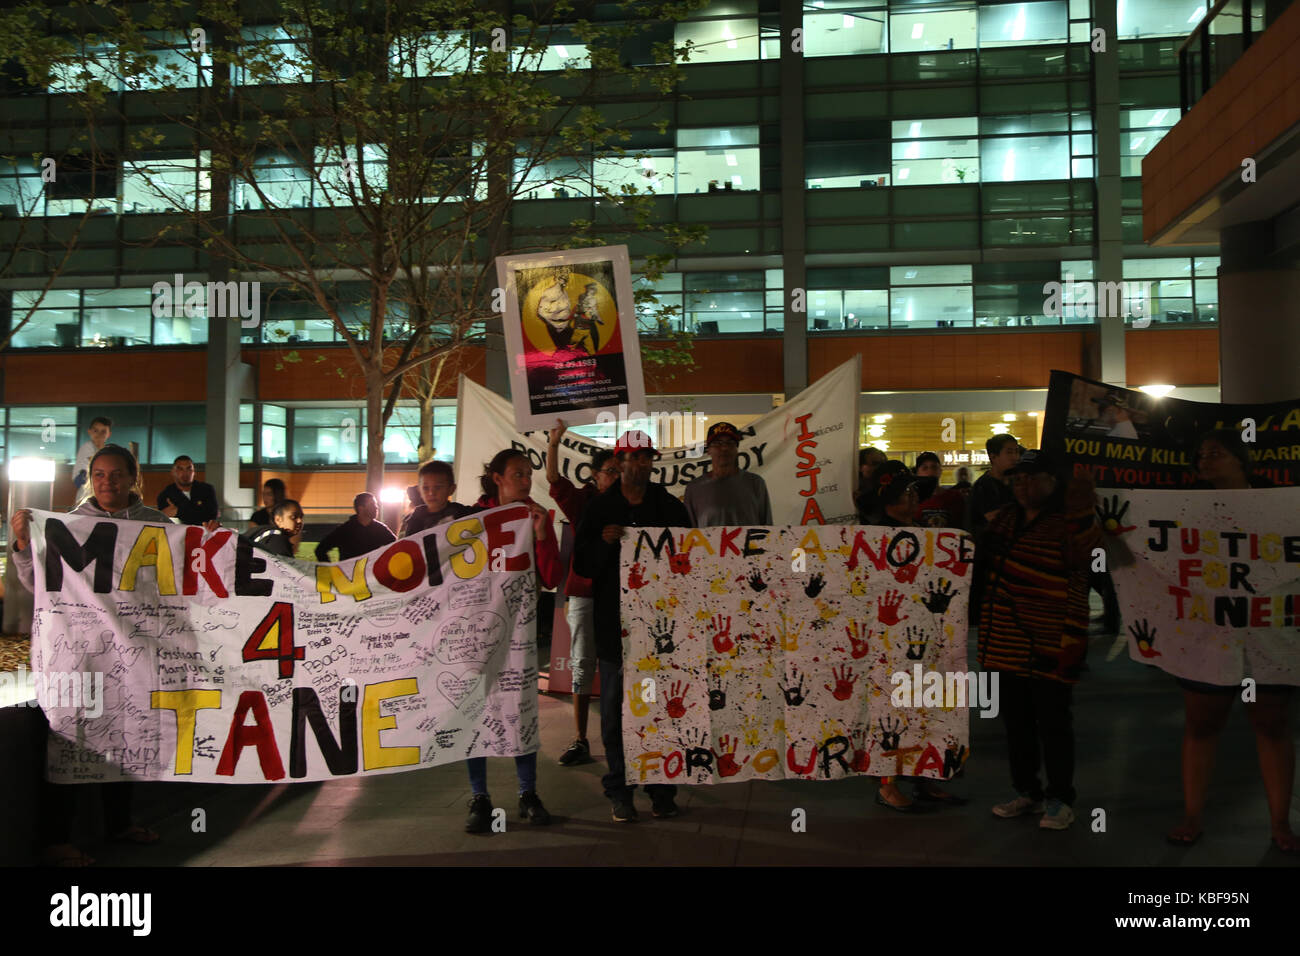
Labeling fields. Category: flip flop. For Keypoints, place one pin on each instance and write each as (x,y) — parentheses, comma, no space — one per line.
(141,836)
(1176,839)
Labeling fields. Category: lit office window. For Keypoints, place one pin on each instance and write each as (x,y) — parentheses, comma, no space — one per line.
(181,430)
(1206,290)
(932,151)
(130,424)
(30,432)
(718,159)
(431,54)
(275,418)
(169,62)
(247,449)
(1140,130)
(717,41)
(839,309)
(53,320)
(844,28)
(1164,289)
(664,313)
(930,297)
(922,29)
(114,318)
(348,175)
(1007,159)
(94,64)
(402,436)
(327,436)
(83,182)
(647,173)
(21,190)
(1073,273)
(1142,19)
(171,182)
(565,177)
(558,51)
(1021,24)
(272,54)
(284,178)
(719,303)
(289,319)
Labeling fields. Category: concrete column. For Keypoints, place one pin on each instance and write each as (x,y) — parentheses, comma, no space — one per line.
(793,243)
(1110,237)
(228,380)
(1259,335)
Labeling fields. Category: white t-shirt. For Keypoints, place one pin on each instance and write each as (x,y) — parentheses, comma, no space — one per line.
(84,454)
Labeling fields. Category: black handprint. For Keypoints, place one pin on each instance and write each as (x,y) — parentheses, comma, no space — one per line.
(938,599)
(1111,516)
(917,642)
(717,692)
(814,585)
(757,583)
(891,733)
(1145,635)
(663,635)
(794,693)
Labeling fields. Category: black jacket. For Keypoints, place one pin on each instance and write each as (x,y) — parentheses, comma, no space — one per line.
(352,538)
(422,520)
(274,540)
(198,507)
(593,558)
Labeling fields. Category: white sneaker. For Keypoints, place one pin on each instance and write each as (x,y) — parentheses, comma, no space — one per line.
(1018,807)
(1059,816)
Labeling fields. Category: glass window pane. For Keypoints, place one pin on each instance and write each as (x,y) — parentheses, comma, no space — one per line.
(919,307)
(168,441)
(275,415)
(36,443)
(1014,24)
(116,326)
(42,414)
(1017,158)
(716,41)
(845,33)
(1149,18)
(928,275)
(47,328)
(918,32)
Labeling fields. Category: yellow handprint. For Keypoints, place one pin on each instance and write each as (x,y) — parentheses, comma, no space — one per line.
(753,730)
(638,706)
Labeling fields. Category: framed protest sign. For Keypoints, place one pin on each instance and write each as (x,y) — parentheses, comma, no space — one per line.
(570,331)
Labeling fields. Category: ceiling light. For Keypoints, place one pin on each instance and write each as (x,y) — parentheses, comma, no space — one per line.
(848,22)
(1156,391)
(735,181)
(731,159)
(916,30)
(909,274)
(562,52)
(1196,16)
(914,130)
(1160,115)
(902,173)
(1009,417)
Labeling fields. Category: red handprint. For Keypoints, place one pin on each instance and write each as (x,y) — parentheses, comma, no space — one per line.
(844,681)
(680,563)
(907,573)
(722,641)
(857,643)
(887,607)
(861,761)
(676,707)
(727,766)
(634,579)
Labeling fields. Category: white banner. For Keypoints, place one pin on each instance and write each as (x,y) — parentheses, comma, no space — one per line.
(806,450)
(809,653)
(1214,593)
(168,653)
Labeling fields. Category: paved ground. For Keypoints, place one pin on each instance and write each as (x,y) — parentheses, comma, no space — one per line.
(1128,719)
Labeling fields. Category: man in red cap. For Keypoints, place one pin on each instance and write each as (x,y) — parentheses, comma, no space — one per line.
(632,501)
(727,495)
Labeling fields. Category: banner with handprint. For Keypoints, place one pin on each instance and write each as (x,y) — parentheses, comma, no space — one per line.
(204,660)
(1213,592)
(798,652)
(1125,438)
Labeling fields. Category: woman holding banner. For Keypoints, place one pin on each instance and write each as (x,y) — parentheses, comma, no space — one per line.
(1223,463)
(508,479)
(114,478)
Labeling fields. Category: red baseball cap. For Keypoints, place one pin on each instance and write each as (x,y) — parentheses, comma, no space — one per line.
(634,441)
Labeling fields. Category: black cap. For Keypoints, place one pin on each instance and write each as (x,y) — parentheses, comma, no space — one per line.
(722,430)
(1034,461)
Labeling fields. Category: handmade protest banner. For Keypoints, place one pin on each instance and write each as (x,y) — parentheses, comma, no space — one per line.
(814,653)
(806,450)
(1128,439)
(1213,594)
(570,331)
(417,654)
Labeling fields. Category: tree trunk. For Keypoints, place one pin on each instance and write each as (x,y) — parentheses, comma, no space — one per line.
(374,433)
(426,449)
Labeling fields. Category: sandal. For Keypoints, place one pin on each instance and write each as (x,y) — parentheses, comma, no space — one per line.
(141,836)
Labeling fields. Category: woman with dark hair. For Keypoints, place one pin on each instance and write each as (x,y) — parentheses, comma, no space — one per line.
(284,533)
(1221,462)
(897,504)
(273,492)
(507,479)
(114,477)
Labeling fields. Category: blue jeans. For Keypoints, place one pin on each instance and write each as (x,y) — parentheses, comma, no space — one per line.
(525,768)
(611,735)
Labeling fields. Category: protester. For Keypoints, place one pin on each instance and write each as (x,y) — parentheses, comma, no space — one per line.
(187,500)
(114,478)
(869,459)
(273,492)
(963,478)
(1034,628)
(508,479)
(361,533)
(897,504)
(284,533)
(631,501)
(939,508)
(727,495)
(580,612)
(437,484)
(1222,462)
(100,430)
(992,490)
